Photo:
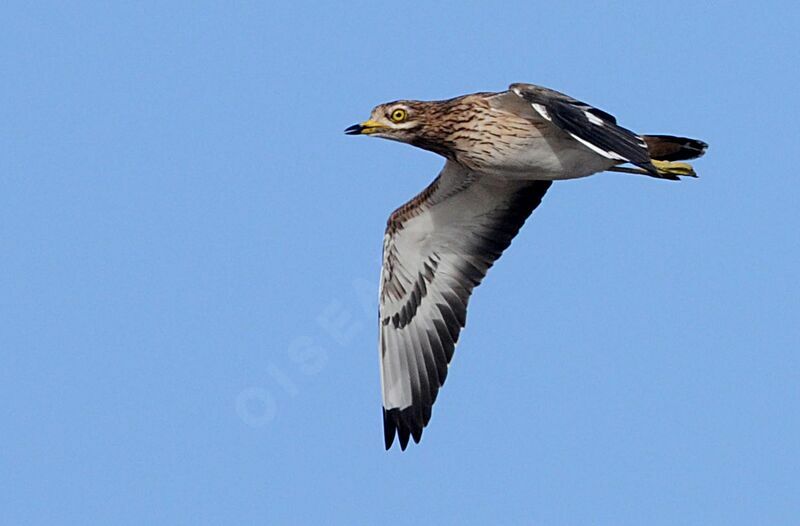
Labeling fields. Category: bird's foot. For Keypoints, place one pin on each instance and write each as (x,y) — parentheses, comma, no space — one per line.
(674,169)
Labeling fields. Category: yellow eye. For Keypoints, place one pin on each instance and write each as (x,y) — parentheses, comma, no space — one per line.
(399,115)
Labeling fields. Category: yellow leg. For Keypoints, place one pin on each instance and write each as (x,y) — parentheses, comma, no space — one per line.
(674,168)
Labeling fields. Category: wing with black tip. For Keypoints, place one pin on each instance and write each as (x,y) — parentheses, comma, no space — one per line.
(437,248)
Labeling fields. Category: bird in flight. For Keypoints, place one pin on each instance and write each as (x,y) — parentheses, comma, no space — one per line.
(503,152)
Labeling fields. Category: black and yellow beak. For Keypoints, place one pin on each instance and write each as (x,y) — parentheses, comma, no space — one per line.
(365,128)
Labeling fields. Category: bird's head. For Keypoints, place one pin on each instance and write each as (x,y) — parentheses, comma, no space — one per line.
(402,121)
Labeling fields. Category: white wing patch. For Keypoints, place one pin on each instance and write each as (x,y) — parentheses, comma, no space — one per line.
(541,110)
(608,155)
(594,119)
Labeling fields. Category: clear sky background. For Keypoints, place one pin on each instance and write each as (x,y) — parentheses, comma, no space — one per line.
(190,251)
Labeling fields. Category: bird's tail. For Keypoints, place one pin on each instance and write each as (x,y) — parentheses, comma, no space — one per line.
(665,151)
(671,148)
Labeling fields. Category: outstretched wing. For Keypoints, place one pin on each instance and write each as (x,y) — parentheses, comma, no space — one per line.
(437,248)
(594,128)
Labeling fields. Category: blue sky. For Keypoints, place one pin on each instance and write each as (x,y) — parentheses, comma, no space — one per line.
(190,247)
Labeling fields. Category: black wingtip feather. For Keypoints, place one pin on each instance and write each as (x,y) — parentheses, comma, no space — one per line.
(389,429)
(405,425)
(403,433)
